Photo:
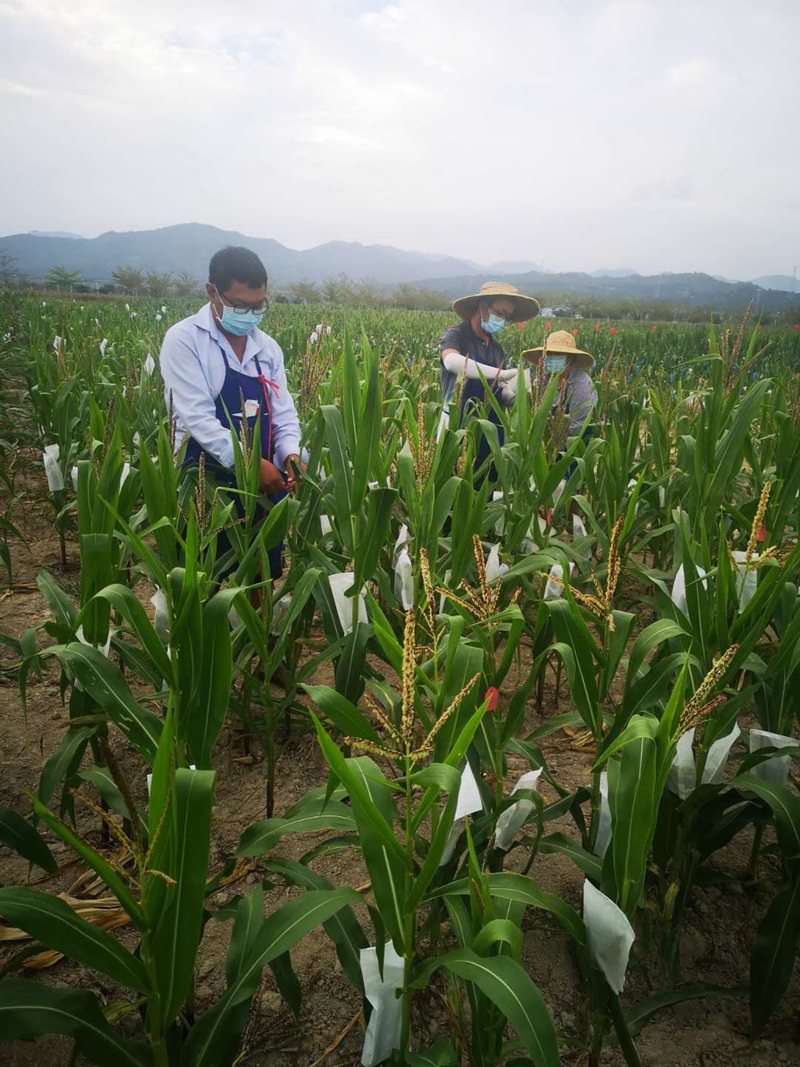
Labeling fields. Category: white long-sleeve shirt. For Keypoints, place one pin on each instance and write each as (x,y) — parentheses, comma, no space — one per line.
(193,370)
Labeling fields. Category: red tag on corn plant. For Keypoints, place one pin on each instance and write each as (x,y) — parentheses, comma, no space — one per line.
(493,696)
(761,536)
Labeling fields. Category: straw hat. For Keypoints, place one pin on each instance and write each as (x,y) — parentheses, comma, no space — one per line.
(525,307)
(561,343)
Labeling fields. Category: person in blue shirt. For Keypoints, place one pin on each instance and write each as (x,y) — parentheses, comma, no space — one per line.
(218,368)
(473,350)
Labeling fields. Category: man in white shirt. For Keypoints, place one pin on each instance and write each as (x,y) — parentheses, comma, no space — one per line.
(217,360)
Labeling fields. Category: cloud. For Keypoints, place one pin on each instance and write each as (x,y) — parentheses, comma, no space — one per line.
(587,134)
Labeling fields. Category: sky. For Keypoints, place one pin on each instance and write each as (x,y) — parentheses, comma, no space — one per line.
(648,134)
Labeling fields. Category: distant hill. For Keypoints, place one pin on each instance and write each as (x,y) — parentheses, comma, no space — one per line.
(687,290)
(53,233)
(189,247)
(510,266)
(615,272)
(778,281)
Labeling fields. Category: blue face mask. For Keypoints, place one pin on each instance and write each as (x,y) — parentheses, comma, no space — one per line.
(239,323)
(555,364)
(494,324)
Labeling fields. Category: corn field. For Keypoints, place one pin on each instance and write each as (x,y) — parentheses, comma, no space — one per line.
(540,717)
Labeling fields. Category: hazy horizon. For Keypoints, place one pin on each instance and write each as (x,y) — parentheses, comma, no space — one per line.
(644,135)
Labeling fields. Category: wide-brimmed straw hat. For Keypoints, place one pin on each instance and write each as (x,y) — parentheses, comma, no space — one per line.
(525,307)
(561,343)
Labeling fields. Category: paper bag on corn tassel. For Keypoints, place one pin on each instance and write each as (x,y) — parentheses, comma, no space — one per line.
(746,578)
(382,1036)
(50,457)
(325,525)
(513,818)
(341,583)
(682,774)
(402,540)
(578,533)
(404,581)
(662,496)
(555,588)
(443,599)
(279,611)
(775,769)
(717,757)
(679,587)
(74,476)
(149,364)
(609,935)
(469,801)
(494,568)
(559,489)
(161,617)
(603,837)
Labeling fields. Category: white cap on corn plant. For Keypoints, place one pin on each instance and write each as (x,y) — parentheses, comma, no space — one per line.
(402,539)
(163,309)
(513,818)
(679,587)
(717,757)
(50,457)
(404,581)
(313,338)
(149,364)
(382,1036)
(279,611)
(161,618)
(609,933)
(603,837)
(103,344)
(57,343)
(494,568)
(105,649)
(158,316)
(74,475)
(469,801)
(340,584)
(328,330)
(555,582)
(775,769)
(579,532)
(747,576)
(325,525)
(682,774)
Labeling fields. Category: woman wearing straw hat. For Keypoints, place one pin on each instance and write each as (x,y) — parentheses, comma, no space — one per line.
(576,389)
(471,349)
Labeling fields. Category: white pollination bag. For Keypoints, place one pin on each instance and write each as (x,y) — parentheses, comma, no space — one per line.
(55,479)
(717,757)
(776,768)
(325,525)
(469,801)
(682,774)
(341,583)
(513,818)
(609,935)
(494,568)
(679,587)
(404,580)
(161,617)
(746,578)
(578,533)
(279,610)
(555,582)
(383,1030)
(603,838)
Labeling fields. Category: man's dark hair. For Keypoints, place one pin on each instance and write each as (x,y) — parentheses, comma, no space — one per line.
(233,264)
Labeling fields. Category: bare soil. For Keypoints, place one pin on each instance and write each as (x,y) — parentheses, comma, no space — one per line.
(717,940)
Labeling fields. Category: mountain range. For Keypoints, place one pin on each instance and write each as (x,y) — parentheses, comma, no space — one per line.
(189,246)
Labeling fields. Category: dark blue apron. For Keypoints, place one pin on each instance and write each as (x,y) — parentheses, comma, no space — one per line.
(238,388)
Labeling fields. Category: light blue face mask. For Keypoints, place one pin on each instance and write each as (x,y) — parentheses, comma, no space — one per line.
(237,322)
(555,364)
(494,324)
